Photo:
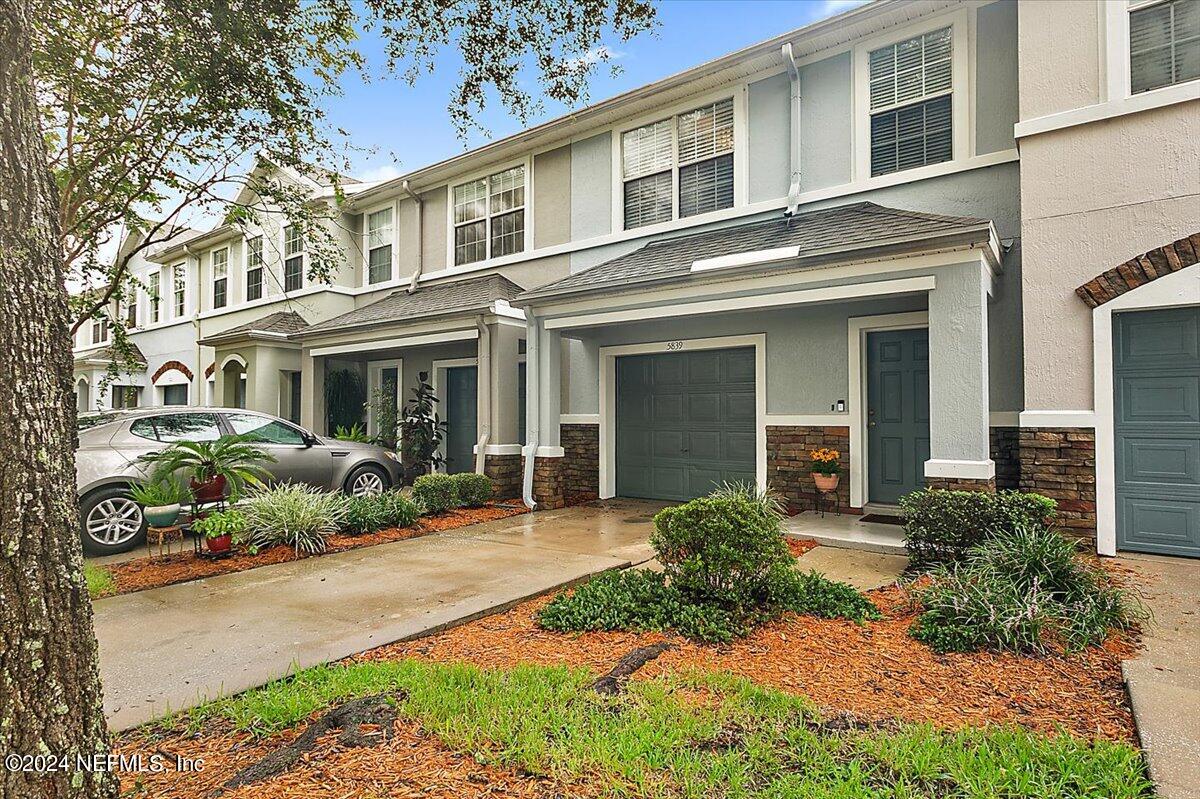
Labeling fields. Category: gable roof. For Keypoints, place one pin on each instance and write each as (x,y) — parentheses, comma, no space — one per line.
(816,237)
(462,296)
(274,325)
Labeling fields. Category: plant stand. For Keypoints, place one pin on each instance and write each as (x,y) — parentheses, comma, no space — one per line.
(167,535)
(198,547)
(829,498)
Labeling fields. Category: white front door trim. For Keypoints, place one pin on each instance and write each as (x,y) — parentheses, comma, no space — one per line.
(375,383)
(1174,290)
(608,397)
(439,380)
(858,327)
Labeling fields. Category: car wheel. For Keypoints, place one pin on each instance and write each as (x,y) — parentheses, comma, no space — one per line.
(367,480)
(110,521)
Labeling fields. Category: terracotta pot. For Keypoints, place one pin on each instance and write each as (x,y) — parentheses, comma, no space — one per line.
(220,544)
(211,490)
(826,482)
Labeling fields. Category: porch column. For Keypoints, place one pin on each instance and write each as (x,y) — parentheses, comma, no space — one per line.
(312,392)
(550,386)
(959,450)
(544,400)
(502,459)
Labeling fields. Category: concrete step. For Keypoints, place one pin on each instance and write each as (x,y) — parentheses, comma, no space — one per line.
(847,532)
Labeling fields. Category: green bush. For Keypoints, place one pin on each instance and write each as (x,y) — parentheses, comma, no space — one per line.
(397,509)
(297,515)
(940,526)
(1024,590)
(474,490)
(435,493)
(364,514)
(218,523)
(814,594)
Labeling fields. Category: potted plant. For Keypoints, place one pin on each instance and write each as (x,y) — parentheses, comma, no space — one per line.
(220,529)
(160,499)
(826,468)
(212,466)
(421,431)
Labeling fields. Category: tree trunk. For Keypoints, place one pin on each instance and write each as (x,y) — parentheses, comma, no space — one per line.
(50,702)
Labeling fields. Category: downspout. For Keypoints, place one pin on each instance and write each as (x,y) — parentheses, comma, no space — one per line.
(201,381)
(483,372)
(532,405)
(416,275)
(794,142)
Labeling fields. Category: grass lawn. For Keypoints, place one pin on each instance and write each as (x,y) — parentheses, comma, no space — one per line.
(100,581)
(679,734)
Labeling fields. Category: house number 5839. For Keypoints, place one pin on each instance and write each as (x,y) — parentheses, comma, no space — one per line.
(674,345)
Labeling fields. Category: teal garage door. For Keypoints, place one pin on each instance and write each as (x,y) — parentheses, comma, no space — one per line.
(685,422)
(1156,420)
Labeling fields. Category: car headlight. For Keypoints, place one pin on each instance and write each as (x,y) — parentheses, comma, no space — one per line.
(391,455)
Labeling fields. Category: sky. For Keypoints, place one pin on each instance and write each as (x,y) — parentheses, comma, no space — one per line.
(395,128)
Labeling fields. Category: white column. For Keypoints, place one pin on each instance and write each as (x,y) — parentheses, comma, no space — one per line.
(550,386)
(312,392)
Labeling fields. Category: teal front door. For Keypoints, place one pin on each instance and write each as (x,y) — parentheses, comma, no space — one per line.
(685,422)
(461,421)
(1156,430)
(897,413)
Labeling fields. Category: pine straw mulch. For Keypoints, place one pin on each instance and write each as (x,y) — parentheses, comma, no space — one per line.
(156,572)
(412,764)
(798,546)
(875,670)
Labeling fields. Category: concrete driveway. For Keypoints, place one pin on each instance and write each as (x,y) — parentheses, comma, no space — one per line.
(172,648)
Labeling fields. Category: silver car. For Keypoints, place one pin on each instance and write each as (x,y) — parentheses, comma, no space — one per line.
(111,444)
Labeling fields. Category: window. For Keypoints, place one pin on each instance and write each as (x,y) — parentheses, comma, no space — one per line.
(152,289)
(699,145)
(379,246)
(130,312)
(911,107)
(489,217)
(178,427)
(179,276)
(175,395)
(99,331)
(264,429)
(220,273)
(293,259)
(1164,45)
(254,268)
(124,396)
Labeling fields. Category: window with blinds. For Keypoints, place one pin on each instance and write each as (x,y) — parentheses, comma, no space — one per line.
(220,278)
(693,151)
(379,246)
(489,217)
(152,291)
(911,102)
(254,268)
(1164,45)
(179,289)
(293,259)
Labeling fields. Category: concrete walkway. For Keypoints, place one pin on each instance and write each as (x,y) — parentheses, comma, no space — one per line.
(1164,680)
(171,648)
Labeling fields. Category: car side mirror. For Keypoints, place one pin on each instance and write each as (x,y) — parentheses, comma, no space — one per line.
(310,440)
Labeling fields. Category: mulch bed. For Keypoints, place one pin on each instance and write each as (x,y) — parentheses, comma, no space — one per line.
(155,572)
(798,546)
(875,670)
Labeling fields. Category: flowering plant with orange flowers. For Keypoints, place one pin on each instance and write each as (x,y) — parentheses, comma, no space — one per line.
(825,461)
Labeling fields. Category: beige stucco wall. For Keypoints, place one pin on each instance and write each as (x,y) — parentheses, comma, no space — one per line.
(552,197)
(1059,55)
(1093,196)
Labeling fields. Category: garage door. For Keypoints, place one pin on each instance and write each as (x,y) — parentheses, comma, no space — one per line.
(685,422)
(1156,379)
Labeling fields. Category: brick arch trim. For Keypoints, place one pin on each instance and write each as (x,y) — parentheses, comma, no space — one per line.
(178,366)
(1140,270)
(212,367)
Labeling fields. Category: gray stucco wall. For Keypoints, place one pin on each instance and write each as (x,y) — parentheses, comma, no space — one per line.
(769,127)
(826,122)
(591,182)
(996,77)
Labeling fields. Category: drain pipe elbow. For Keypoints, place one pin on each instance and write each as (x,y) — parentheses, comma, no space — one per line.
(794,134)
(532,406)
(416,275)
(483,383)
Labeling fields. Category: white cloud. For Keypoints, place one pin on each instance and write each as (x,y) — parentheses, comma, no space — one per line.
(592,57)
(378,173)
(831,7)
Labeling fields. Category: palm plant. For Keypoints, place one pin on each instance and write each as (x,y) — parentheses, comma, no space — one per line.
(232,460)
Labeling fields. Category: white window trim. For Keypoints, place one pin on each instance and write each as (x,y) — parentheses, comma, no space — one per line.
(467,177)
(739,93)
(174,298)
(150,319)
(375,383)
(439,368)
(212,278)
(284,258)
(262,264)
(365,248)
(961,89)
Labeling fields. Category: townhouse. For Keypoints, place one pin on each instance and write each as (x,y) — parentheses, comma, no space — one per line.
(814,241)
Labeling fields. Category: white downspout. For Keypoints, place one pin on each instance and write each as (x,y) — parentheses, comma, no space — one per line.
(202,381)
(532,405)
(416,275)
(483,384)
(794,140)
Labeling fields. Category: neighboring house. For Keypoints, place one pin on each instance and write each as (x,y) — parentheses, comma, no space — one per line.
(1110,199)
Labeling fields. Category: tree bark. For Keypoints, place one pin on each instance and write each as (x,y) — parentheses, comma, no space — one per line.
(50,700)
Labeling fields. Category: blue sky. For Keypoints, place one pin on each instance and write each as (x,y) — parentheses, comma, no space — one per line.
(407,127)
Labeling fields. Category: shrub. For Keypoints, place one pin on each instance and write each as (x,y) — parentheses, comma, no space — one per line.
(397,509)
(814,594)
(474,490)
(364,514)
(940,526)
(1024,590)
(435,493)
(297,515)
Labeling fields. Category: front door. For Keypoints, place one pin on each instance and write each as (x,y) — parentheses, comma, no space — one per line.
(1156,421)
(897,413)
(461,422)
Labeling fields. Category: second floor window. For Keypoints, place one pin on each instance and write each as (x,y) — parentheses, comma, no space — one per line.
(254,268)
(220,273)
(379,246)
(152,289)
(1164,44)
(179,289)
(489,217)
(293,259)
(99,331)
(131,312)
(689,155)
(911,106)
